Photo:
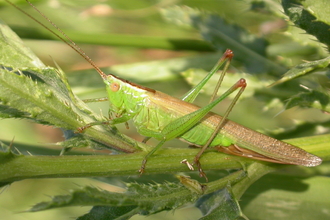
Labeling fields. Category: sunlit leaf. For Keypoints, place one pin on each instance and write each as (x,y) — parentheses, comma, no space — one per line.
(303,69)
(303,18)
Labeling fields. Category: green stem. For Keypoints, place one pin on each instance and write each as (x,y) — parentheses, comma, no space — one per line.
(19,167)
(254,172)
(166,160)
(232,178)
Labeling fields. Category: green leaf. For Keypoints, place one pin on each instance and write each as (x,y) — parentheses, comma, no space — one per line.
(143,199)
(303,69)
(219,205)
(149,198)
(298,35)
(8,112)
(319,9)
(318,99)
(14,52)
(311,19)
(46,96)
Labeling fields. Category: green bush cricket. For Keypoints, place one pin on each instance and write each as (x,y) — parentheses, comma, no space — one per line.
(163,117)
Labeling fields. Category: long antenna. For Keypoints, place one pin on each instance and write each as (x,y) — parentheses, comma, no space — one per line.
(66,39)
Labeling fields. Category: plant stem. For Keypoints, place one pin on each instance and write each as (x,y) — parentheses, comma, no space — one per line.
(19,167)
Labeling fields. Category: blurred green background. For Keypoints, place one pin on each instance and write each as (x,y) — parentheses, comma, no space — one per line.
(136,19)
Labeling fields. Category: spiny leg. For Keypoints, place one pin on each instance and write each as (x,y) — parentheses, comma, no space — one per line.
(83,128)
(144,161)
(230,55)
(96,100)
(239,84)
(191,95)
(118,120)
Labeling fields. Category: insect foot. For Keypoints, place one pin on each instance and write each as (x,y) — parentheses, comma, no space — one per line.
(199,166)
(143,166)
(82,129)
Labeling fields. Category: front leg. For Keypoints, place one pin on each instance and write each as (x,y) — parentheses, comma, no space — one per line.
(122,119)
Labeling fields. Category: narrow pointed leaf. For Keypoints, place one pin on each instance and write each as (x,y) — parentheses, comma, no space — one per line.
(303,69)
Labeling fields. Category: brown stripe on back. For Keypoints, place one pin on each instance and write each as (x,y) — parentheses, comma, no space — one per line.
(134,84)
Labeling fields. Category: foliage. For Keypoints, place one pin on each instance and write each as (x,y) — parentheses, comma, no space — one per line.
(45,95)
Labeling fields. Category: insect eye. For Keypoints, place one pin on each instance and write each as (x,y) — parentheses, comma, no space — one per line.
(114,87)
